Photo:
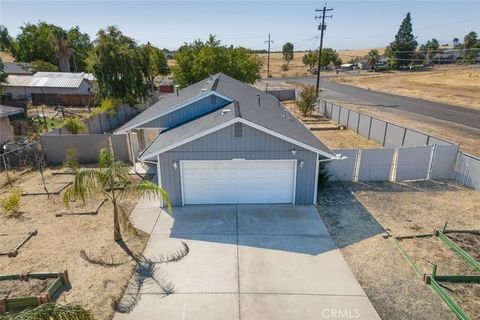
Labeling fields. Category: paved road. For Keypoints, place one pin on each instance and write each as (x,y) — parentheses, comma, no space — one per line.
(349,94)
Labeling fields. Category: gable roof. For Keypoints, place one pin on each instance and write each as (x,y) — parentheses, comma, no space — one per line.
(47,80)
(251,107)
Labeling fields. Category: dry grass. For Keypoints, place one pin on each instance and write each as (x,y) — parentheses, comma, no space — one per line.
(6,57)
(20,288)
(60,240)
(357,215)
(452,84)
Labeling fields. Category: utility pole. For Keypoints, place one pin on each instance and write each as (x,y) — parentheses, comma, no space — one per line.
(322,27)
(268,55)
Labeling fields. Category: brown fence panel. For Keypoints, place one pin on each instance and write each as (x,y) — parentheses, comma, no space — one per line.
(68,100)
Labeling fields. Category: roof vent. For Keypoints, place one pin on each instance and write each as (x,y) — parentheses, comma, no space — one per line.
(285,113)
(176,89)
(203,89)
(224,111)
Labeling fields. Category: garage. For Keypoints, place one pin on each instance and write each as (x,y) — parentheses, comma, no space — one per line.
(238,181)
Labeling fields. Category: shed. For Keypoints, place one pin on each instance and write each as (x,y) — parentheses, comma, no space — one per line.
(6,132)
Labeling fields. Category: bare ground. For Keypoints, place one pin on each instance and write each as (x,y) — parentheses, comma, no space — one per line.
(357,215)
(466,295)
(21,288)
(60,240)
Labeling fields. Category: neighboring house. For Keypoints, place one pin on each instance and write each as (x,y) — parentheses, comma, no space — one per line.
(6,132)
(59,83)
(15,68)
(222,141)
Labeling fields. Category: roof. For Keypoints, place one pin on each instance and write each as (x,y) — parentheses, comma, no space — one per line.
(8,111)
(271,116)
(14,68)
(48,80)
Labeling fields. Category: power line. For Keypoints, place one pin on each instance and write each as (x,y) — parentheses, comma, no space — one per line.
(322,27)
(268,55)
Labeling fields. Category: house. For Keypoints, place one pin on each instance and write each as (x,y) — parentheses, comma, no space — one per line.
(20,87)
(15,68)
(222,141)
(6,132)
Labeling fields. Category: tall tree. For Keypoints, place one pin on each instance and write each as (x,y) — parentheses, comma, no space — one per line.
(80,46)
(288,52)
(310,59)
(373,58)
(154,63)
(405,43)
(198,60)
(456,42)
(117,65)
(61,46)
(471,45)
(6,41)
(112,179)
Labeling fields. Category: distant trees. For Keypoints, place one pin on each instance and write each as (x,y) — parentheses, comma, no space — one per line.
(405,43)
(430,48)
(288,53)
(310,59)
(67,49)
(154,63)
(197,60)
(373,58)
(39,65)
(3,76)
(329,57)
(471,44)
(6,41)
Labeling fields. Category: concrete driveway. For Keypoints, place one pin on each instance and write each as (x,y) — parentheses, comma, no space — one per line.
(244,262)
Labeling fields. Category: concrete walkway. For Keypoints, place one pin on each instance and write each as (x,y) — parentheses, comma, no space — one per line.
(244,262)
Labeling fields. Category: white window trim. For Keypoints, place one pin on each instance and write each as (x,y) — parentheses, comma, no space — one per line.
(246,122)
(178,107)
(295,164)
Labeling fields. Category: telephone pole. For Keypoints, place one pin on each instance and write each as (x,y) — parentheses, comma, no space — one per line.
(322,27)
(268,55)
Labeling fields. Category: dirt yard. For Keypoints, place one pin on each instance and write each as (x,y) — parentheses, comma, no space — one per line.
(452,84)
(60,240)
(357,215)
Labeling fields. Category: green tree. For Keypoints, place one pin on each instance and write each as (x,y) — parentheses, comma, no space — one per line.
(39,65)
(198,60)
(330,56)
(61,47)
(6,41)
(154,63)
(117,65)
(430,48)
(307,100)
(404,44)
(471,45)
(112,179)
(310,59)
(80,46)
(373,58)
(288,52)
(3,76)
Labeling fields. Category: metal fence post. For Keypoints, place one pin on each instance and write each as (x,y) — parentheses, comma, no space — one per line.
(385,133)
(348,116)
(358,121)
(370,128)
(404,135)
(339,113)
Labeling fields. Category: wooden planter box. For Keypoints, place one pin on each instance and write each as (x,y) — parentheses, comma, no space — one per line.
(52,292)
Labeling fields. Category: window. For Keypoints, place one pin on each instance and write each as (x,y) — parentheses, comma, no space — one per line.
(237,130)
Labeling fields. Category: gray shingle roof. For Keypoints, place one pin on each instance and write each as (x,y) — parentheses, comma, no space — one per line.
(14,68)
(269,114)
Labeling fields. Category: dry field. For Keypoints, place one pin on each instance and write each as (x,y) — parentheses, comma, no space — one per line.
(357,215)
(60,240)
(452,84)
(6,57)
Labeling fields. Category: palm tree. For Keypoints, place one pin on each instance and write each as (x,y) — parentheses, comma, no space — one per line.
(112,179)
(373,58)
(51,311)
(61,44)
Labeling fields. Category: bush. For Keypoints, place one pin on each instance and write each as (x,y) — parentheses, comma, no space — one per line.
(307,101)
(11,202)
(71,159)
(108,106)
(74,126)
(284,67)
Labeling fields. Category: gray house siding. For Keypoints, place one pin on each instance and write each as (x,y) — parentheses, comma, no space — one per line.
(187,113)
(252,145)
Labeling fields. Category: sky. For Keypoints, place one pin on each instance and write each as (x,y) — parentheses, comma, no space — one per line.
(169,24)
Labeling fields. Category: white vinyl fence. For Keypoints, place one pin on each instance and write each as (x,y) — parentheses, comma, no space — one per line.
(411,154)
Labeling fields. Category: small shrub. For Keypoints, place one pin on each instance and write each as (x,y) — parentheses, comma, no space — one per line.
(11,202)
(323,174)
(108,106)
(74,126)
(307,100)
(71,159)
(284,67)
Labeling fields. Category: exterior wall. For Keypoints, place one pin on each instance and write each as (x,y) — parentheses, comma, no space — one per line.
(252,145)
(186,113)
(6,131)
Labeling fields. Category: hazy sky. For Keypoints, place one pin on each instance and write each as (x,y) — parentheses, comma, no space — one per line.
(355,24)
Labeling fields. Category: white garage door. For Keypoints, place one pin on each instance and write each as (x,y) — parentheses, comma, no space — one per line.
(238,181)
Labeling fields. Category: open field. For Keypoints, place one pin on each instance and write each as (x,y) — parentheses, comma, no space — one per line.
(357,215)
(451,84)
(60,240)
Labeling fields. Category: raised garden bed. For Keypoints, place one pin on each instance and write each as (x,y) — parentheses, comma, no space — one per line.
(20,291)
(91,207)
(11,243)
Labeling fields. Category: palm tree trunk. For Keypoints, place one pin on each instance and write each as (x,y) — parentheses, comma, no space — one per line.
(117,235)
